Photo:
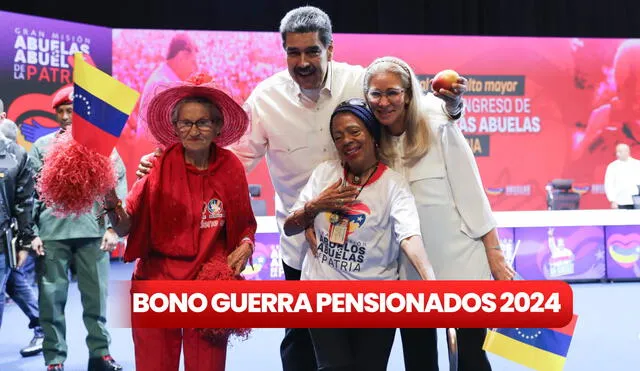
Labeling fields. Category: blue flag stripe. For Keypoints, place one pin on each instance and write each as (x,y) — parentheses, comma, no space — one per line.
(541,338)
(98,112)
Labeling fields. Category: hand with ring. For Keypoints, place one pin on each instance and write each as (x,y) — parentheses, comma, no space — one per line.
(336,197)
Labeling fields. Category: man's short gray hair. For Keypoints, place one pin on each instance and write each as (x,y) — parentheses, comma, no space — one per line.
(9,129)
(307,19)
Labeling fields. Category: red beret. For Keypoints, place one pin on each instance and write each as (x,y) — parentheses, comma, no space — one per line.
(63,96)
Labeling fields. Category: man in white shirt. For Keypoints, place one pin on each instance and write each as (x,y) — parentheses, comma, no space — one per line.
(622,179)
(290,113)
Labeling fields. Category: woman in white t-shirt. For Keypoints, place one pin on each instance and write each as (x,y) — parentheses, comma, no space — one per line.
(363,214)
(421,140)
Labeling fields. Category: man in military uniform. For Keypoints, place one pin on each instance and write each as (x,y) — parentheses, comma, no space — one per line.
(84,240)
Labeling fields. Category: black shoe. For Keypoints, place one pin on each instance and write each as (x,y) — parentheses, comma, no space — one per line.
(104,363)
(34,347)
(56,367)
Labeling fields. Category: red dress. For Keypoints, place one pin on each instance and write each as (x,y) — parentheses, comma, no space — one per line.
(184,219)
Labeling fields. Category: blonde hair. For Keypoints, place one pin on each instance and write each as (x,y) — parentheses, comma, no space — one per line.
(417,140)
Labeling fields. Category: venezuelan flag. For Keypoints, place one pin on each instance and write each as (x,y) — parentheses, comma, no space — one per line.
(101,107)
(542,349)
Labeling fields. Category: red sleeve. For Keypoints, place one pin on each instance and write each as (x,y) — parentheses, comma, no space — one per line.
(134,198)
(246,221)
(138,239)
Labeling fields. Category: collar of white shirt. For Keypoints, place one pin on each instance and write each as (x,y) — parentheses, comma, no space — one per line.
(325,90)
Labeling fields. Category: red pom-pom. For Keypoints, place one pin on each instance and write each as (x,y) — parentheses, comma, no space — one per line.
(73,177)
(217,269)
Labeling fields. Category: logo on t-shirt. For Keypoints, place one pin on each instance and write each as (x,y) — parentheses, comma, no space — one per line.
(349,256)
(213,214)
(215,209)
(357,215)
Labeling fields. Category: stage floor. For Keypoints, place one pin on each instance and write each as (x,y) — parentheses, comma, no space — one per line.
(607,336)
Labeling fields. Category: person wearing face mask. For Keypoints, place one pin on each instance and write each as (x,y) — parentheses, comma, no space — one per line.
(428,148)
(83,240)
(361,231)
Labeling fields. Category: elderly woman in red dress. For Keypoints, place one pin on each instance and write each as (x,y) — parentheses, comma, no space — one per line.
(191,217)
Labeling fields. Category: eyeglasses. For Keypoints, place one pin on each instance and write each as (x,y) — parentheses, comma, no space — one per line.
(393,95)
(202,125)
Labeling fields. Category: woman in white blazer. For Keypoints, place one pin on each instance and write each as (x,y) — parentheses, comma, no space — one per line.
(421,140)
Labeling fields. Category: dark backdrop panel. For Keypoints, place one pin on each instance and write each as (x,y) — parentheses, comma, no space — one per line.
(585,18)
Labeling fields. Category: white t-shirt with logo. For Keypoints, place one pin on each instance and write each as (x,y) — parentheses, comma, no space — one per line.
(384,216)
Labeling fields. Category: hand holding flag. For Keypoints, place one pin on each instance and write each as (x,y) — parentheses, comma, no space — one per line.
(77,170)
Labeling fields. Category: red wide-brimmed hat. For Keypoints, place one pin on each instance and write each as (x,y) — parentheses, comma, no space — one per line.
(157,112)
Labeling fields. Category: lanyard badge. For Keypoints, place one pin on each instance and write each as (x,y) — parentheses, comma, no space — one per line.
(339,229)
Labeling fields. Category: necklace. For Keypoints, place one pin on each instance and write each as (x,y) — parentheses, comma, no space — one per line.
(356,178)
(335,217)
(375,168)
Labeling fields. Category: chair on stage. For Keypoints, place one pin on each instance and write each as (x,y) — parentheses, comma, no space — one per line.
(259,206)
(561,196)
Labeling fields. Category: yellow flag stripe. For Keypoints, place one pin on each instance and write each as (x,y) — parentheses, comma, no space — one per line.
(522,353)
(103,86)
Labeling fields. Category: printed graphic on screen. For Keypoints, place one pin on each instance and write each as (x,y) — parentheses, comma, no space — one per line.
(237,61)
(537,109)
(623,251)
(560,253)
(267,260)
(38,61)
(508,244)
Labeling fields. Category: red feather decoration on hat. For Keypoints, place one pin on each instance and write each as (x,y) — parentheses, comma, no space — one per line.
(200,78)
(73,177)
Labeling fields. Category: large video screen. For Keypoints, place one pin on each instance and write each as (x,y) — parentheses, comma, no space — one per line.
(537,109)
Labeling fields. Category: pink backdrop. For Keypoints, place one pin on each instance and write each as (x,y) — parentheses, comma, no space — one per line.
(563,119)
